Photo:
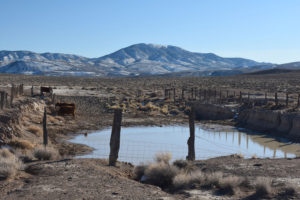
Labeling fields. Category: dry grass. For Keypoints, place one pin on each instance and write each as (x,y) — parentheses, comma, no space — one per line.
(35,129)
(164,110)
(163,157)
(46,153)
(188,180)
(22,144)
(213,179)
(161,174)
(53,120)
(9,164)
(229,184)
(6,153)
(263,187)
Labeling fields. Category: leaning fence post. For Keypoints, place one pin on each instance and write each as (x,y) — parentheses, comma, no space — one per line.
(191,140)
(115,138)
(45,133)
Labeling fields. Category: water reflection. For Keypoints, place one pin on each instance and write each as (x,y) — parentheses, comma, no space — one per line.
(139,144)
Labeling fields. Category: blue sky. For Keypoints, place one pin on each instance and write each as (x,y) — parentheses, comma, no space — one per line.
(263,30)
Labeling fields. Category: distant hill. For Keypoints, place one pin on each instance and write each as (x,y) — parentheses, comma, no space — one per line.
(135,60)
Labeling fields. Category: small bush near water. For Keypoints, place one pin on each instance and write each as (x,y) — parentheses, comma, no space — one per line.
(160,174)
(263,187)
(163,157)
(46,153)
(9,164)
(184,175)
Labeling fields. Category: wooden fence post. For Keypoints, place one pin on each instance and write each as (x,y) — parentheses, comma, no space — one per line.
(287,100)
(266,98)
(32,91)
(115,137)
(174,93)
(276,99)
(6,100)
(12,93)
(45,132)
(298,102)
(22,89)
(241,97)
(182,94)
(227,94)
(2,100)
(191,140)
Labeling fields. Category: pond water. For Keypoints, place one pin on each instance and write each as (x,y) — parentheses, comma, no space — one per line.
(140,144)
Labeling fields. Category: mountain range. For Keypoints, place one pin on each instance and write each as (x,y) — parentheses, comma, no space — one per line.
(135,60)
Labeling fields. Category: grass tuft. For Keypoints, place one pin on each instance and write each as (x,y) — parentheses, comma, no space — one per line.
(22,144)
(161,174)
(35,129)
(229,184)
(163,157)
(9,164)
(46,153)
(263,187)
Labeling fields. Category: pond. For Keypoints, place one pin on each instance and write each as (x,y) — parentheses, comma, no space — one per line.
(140,144)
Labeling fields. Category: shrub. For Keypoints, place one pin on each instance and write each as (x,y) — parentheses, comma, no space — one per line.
(46,153)
(161,174)
(188,180)
(9,164)
(213,179)
(35,130)
(139,172)
(182,181)
(229,184)
(6,153)
(19,143)
(181,164)
(163,157)
(263,186)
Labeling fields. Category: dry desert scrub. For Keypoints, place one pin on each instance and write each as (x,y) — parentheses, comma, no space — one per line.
(188,180)
(46,153)
(161,174)
(228,185)
(22,144)
(35,129)
(263,187)
(9,164)
(163,157)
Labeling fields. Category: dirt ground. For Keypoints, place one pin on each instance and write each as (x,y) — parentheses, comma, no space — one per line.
(70,178)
